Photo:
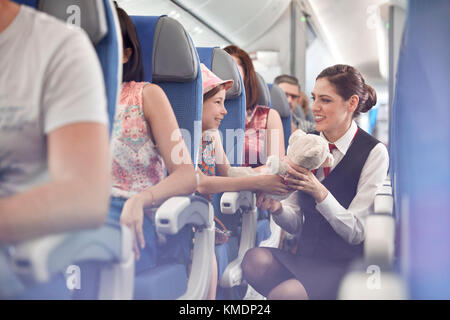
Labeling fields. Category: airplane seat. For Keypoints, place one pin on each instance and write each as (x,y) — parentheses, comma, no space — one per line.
(281,104)
(171,61)
(364,276)
(42,264)
(264,225)
(422,201)
(232,131)
(252,231)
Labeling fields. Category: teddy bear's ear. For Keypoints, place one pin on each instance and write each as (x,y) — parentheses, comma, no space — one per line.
(295,135)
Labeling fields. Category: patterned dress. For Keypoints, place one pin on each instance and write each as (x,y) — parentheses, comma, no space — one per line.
(136,162)
(207,165)
(208,157)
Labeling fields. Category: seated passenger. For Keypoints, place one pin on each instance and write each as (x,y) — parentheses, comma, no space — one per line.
(54,155)
(301,115)
(214,163)
(141,152)
(329,209)
(263,127)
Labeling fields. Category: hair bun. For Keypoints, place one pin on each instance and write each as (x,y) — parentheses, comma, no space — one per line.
(371,99)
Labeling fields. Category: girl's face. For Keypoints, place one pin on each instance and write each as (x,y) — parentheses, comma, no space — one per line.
(240,67)
(214,111)
(332,113)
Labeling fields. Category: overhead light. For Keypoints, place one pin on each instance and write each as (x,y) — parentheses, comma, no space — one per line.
(382,29)
(329,39)
(174,14)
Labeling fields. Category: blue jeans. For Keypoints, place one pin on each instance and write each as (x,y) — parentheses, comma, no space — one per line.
(150,252)
(175,249)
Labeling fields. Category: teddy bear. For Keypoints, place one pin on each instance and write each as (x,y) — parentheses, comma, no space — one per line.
(309,151)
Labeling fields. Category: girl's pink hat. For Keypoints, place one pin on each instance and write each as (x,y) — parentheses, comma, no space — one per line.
(210,80)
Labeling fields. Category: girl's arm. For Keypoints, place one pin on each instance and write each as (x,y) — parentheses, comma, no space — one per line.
(221,183)
(167,137)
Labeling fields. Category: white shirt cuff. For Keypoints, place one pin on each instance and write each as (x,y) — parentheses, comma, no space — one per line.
(328,207)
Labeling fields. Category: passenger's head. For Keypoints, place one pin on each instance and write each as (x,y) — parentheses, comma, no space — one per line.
(214,90)
(290,86)
(248,74)
(132,57)
(340,94)
(303,102)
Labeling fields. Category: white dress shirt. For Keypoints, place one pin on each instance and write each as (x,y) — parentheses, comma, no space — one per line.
(348,223)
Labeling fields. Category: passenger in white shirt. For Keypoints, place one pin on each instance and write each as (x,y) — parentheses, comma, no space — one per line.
(54,157)
(329,209)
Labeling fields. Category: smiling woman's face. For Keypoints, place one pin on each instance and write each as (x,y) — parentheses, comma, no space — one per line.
(214,111)
(332,113)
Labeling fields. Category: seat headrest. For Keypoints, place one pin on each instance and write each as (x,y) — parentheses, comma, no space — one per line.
(224,66)
(87,14)
(174,55)
(279,101)
(264,94)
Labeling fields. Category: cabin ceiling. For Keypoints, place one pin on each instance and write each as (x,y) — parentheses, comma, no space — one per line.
(348,27)
(354,31)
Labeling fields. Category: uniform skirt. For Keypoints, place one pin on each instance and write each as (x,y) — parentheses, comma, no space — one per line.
(320,278)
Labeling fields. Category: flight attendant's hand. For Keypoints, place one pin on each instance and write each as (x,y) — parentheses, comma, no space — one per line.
(299,178)
(265,202)
(133,217)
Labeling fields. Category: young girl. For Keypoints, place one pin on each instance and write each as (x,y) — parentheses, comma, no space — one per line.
(141,149)
(214,164)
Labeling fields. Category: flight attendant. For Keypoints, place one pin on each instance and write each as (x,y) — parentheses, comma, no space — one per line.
(328,209)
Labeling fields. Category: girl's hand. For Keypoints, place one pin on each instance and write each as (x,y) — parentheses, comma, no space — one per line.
(133,217)
(273,184)
(302,179)
(265,202)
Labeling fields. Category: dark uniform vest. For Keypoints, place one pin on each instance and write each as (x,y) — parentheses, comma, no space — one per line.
(318,239)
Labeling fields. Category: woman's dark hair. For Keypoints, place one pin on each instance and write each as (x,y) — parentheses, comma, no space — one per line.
(132,70)
(212,92)
(348,81)
(250,80)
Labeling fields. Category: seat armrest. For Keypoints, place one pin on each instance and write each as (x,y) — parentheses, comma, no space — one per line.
(384,202)
(171,217)
(231,202)
(38,260)
(202,259)
(372,284)
(177,212)
(379,243)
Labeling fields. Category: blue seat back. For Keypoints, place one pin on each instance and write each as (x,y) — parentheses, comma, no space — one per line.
(171,61)
(281,104)
(264,94)
(419,149)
